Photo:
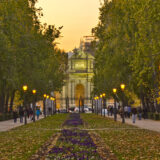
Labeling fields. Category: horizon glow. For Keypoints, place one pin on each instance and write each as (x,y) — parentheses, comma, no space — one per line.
(77,17)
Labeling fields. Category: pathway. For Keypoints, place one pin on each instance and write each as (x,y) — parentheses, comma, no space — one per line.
(8,125)
(144,123)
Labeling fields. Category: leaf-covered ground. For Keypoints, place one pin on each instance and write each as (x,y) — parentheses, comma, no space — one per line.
(126,141)
(22,142)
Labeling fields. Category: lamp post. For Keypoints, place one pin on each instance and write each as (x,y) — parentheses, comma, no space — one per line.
(122,88)
(92,104)
(115,109)
(104,103)
(101,98)
(51,98)
(97,105)
(54,105)
(47,107)
(25,88)
(34,103)
(44,104)
(67,104)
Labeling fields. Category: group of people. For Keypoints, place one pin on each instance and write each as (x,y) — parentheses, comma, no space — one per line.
(22,112)
(128,111)
(134,111)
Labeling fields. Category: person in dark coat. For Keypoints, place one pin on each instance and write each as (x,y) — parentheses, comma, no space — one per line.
(15,115)
(31,113)
(21,114)
(134,114)
(139,113)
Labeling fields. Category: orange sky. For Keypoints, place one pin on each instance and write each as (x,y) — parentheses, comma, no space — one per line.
(77,16)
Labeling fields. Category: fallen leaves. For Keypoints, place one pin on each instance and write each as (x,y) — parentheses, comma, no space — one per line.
(21,143)
(126,141)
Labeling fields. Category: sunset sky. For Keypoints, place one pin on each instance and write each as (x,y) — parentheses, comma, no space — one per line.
(77,16)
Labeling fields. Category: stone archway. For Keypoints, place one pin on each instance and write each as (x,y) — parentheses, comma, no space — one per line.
(79,93)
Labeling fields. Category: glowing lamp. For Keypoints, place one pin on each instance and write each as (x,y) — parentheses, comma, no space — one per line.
(114,90)
(25,87)
(122,86)
(104,94)
(44,95)
(34,91)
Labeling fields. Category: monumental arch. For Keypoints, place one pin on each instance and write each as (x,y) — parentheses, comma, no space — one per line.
(78,84)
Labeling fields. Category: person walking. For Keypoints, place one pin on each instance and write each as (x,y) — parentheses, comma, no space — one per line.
(140,113)
(15,115)
(21,114)
(37,113)
(129,111)
(31,113)
(126,111)
(134,114)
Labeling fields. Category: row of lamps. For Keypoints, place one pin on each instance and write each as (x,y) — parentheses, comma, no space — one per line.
(34,91)
(102,96)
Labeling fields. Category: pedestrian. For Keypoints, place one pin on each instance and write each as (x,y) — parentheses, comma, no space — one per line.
(38,113)
(126,111)
(121,111)
(129,111)
(108,109)
(134,114)
(139,113)
(115,113)
(144,112)
(31,113)
(15,115)
(111,110)
(21,114)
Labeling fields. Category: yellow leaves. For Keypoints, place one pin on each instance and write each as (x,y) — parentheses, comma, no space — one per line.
(23,141)
(126,141)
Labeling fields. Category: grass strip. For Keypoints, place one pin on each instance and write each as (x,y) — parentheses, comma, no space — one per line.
(127,142)
(22,142)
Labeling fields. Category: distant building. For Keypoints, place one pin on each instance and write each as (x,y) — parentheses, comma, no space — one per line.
(78,84)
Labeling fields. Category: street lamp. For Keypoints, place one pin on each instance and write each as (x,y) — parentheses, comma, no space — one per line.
(53,104)
(104,103)
(122,88)
(51,98)
(34,101)
(25,88)
(115,109)
(104,94)
(97,104)
(44,104)
(101,96)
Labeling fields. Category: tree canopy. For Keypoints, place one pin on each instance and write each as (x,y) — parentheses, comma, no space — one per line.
(28,52)
(128,48)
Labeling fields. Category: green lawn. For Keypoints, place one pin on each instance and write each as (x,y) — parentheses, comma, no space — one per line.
(22,142)
(126,141)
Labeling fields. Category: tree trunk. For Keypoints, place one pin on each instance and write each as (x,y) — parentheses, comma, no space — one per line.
(2,102)
(12,100)
(143,101)
(6,102)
